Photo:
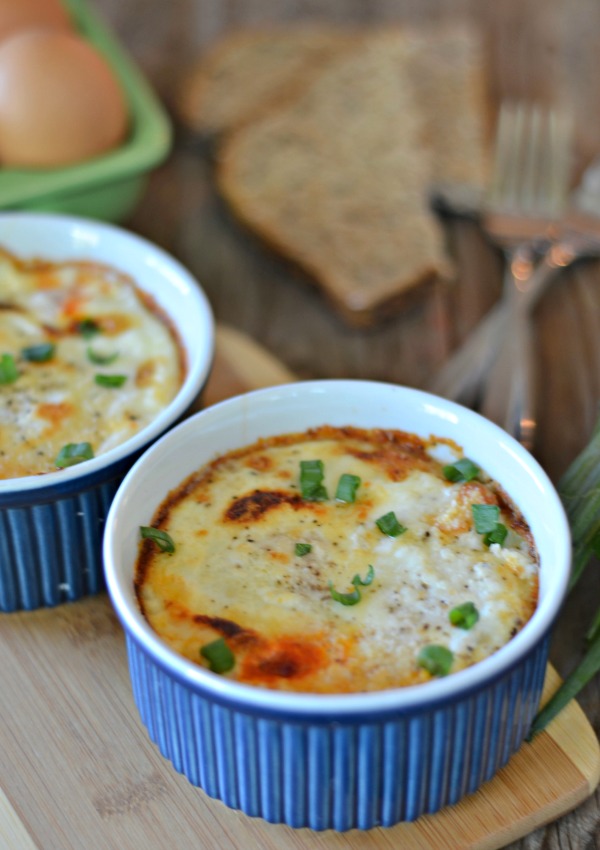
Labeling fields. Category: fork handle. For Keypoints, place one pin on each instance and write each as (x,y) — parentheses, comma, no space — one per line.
(517,417)
(543,274)
(497,384)
(509,394)
(521,415)
(463,376)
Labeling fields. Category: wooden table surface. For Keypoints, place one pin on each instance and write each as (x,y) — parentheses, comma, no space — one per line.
(542,48)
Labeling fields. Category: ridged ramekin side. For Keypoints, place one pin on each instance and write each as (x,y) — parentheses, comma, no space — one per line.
(51,552)
(342,774)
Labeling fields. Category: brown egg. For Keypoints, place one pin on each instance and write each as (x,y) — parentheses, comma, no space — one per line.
(60,102)
(18,15)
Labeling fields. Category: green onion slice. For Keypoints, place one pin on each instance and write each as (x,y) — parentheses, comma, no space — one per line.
(461,470)
(163,540)
(40,353)
(485,517)
(464,616)
(72,454)
(8,369)
(220,658)
(496,535)
(367,580)
(311,480)
(110,380)
(345,598)
(302,549)
(354,596)
(437,660)
(88,328)
(100,359)
(486,523)
(388,524)
(347,487)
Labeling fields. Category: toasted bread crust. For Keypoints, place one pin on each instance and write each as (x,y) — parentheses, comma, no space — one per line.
(250,71)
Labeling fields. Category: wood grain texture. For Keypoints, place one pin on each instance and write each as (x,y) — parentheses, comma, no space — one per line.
(547,49)
(78,769)
(13,832)
(239,363)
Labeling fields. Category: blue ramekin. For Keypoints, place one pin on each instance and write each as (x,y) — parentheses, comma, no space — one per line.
(348,761)
(51,526)
(339,773)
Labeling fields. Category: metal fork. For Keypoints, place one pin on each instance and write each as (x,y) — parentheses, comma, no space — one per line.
(527,196)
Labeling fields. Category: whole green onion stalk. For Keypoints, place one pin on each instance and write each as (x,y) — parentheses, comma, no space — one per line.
(579,489)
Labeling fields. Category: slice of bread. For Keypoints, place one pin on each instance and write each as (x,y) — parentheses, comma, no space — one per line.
(447,74)
(337,178)
(249,71)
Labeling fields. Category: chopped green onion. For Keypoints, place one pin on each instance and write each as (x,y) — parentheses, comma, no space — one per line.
(302,549)
(100,359)
(464,616)
(437,660)
(347,487)
(367,580)
(355,596)
(311,480)
(461,470)
(88,328)
(220,658)
(486,523)
(163,540)
(388,524)
(8,369)
(39,353)
(110,380)
(345,598)
(72,454)
(497,535)
(485,517)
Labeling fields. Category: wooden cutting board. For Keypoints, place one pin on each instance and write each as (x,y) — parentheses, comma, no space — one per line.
(78,770)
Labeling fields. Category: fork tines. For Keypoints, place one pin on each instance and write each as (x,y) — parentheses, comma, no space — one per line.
(532,163)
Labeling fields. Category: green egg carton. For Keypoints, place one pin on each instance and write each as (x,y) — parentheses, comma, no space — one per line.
(109,186)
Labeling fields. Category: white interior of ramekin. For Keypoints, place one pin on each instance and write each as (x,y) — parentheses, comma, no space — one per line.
(58,238)
(294,407)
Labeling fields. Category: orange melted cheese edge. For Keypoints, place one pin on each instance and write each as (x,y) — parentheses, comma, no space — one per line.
(234,573)
(58,402)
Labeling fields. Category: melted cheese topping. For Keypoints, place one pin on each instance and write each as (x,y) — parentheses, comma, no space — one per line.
(235,574)
(57,402)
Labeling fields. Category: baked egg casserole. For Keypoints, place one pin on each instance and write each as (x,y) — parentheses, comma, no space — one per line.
(337,560)
(86,361)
